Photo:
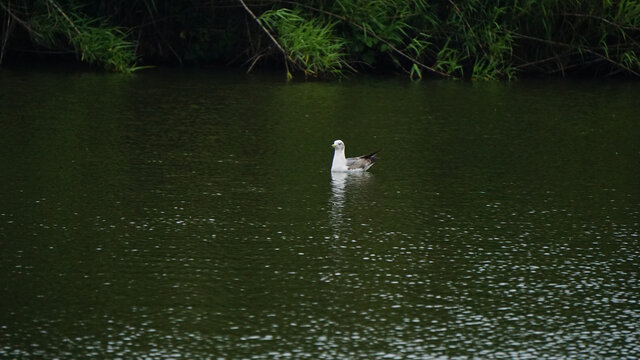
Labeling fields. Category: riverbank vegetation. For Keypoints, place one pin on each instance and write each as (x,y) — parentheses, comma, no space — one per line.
(473,39)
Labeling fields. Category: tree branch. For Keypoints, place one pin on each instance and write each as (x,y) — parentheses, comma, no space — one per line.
(7,29)
(65,16)
(574,47)
(18,20)
(273,39)
(603,20)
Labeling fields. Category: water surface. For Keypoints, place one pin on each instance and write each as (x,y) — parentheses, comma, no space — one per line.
(191,214)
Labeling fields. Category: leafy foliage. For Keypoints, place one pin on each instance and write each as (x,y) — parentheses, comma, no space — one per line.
(310,44)
(91,38)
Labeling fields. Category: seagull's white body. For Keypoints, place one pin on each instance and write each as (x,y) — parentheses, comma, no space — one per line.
(343,164)
(339,159)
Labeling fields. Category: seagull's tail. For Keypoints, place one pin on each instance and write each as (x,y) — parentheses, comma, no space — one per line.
(372,156)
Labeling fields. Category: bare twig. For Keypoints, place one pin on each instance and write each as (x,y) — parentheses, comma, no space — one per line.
(253,63)
(7,29)
(603,20)
(536,62)
(287,58)
(175,54)
(20,21)
(620,27)
(262,27)
(64,15)
(577,65)
(574,47)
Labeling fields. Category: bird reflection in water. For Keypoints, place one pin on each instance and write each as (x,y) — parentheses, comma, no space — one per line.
(341,184)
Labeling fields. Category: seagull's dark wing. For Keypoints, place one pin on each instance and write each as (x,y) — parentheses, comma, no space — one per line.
(362,162)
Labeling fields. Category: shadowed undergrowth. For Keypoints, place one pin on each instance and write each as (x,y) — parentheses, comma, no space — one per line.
(495,39)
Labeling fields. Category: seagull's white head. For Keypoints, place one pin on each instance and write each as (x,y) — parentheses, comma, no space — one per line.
(338,145)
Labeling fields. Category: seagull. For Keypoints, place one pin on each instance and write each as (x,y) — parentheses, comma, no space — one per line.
(342,163)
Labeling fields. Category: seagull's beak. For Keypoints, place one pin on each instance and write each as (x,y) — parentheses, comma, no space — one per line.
(333,146)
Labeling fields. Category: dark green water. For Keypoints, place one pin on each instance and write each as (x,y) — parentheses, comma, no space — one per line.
(192,215)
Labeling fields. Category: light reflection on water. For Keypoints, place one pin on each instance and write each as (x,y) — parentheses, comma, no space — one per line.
(341,184)
(338,183)
(189,229)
